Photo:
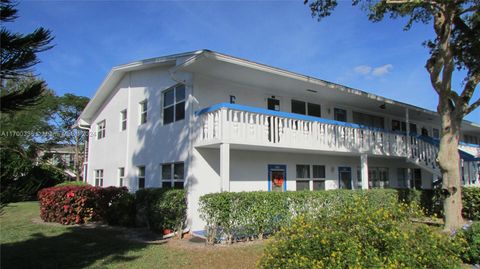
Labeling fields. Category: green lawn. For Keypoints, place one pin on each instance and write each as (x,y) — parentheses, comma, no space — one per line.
(27,244)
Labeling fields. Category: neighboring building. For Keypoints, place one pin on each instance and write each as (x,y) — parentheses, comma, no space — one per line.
(60,155)
(210,122)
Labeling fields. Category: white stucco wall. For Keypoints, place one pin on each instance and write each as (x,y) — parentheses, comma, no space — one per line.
(149,144)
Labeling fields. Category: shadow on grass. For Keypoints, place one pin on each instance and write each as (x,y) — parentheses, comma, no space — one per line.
(76,248)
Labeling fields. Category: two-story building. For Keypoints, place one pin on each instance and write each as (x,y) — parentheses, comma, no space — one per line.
(209,122)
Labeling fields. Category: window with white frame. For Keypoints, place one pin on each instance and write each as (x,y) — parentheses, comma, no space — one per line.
(101,126)
(303,177)
(318,181)
(304,108)
(173,175)
(141,177)
(402,178)
(310,181)
(99,177)
(123,120)
(143,111)
(174,104)
(378,177)
(121,176)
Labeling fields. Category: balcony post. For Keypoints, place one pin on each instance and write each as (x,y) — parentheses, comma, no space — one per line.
(407,126)
(224,167)
(364,170)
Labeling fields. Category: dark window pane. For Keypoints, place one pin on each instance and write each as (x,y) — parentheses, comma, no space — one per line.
(141,183)
(178,185)
(413,128)
(168,98)
(298,107)
(180,93)
(168,115)
(178,169)
(318,185)
(318,171)
(340,114)
(303,185)
(121,182)
(121,172)
(273,104)
(396,125)
(436,133)
(180,111)
(167,171)
(303,171)
(314,110)
(141,171)
(166,185)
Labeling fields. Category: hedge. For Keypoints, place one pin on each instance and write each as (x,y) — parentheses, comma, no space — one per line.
(432,201)
(161,209)
(248,215)
(82,204)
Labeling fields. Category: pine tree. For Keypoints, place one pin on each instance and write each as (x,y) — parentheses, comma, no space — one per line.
(17,58)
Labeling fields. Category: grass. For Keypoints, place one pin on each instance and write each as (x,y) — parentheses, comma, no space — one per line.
(25,243)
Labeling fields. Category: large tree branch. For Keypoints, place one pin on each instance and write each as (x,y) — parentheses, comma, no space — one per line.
(472,107)
(470,9)
(434,67)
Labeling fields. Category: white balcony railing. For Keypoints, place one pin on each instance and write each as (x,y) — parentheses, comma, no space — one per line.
(236,124)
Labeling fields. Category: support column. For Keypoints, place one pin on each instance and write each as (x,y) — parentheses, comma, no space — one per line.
(407,126)
(225,167)
(364,171)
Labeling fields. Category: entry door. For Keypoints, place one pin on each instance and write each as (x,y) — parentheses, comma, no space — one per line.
(345,178)
(277,178)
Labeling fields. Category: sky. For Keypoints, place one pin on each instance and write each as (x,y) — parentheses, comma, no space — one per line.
(91,37)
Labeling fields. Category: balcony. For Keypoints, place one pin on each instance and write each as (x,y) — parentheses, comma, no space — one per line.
(237,124)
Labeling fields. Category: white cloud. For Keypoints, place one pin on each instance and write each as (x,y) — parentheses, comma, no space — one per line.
(382,70)
(369,72)
(363,69)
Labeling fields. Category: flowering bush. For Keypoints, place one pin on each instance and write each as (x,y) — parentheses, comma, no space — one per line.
(360,236)
(470,237)
(80,204)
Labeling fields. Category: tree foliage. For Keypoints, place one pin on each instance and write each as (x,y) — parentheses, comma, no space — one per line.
(456,24)
(17,58)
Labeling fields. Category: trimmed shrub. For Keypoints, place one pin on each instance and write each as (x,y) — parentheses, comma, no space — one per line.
(470,237)
(432,201)
(82,204)
(161,209)
(471,203)
(248,215)
(360,236)
(72,183)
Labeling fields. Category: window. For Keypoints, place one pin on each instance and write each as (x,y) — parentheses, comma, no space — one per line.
(298,107)
(368,120)
(232,99)
(470,139)
(121,176)
(99,177)
(378,177)
(173,175)
(340,114)
(101,129)
(402,180)
(318,171)
(413,128)
(141,177)
(314,110)
(303,177)
(174,104)
(436,133)
(303,171)
(143,111)
(123,120)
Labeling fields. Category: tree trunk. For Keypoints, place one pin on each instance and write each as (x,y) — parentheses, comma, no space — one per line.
(449,162)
